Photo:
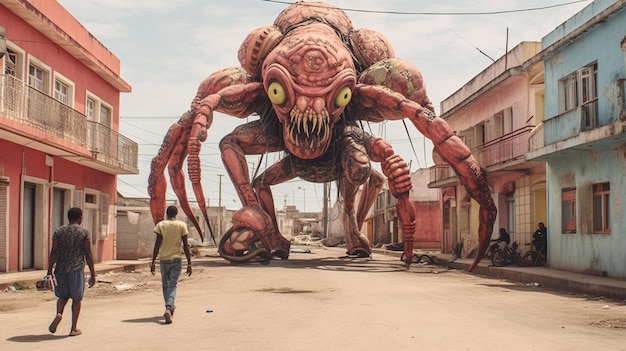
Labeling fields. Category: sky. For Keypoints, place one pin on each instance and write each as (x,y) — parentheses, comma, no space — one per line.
(167,47)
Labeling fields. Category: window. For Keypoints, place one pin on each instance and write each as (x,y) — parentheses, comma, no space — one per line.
(90,109)
(568,210)
(587,94)
(578,90)
(601,208)
(11,64)
(105,115)
(61,91)
(569,93)
(503,122)
(36,78)
(98,111)
(510,205)
(480,134)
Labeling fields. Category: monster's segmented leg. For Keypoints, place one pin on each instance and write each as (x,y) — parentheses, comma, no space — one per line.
(399,180)
(380,102)
(256,222)
(171,154)
(229,91)
(470,174)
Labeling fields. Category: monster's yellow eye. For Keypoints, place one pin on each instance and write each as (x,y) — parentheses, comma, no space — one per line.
(276,93)
(343,97)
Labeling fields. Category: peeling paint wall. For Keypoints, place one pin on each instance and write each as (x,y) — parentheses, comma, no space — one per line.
(584,158)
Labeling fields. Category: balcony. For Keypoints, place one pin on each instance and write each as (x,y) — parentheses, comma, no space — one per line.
(505,149)
(580,129)
(29,108)
(441,175)
(496,154)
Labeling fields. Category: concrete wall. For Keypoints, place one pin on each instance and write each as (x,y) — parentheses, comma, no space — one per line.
(583,250)
(585,158)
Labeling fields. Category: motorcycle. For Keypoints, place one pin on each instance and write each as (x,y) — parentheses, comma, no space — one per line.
(506,256)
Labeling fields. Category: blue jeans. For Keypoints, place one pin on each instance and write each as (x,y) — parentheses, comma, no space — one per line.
(170,271)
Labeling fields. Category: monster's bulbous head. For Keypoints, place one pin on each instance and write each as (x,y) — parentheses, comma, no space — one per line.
(309,78)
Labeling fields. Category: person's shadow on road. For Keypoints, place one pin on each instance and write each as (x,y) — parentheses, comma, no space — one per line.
(156,319)
(36,338)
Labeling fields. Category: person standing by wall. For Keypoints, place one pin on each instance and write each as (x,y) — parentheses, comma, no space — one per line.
(540,238)
(71,247)
(169,235)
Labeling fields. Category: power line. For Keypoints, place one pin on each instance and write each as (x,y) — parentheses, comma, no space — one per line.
(475,47)
(483,13)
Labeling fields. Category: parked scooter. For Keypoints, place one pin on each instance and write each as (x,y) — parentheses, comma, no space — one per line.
(508,255)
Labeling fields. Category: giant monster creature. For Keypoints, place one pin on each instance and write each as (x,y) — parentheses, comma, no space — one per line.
(313,80)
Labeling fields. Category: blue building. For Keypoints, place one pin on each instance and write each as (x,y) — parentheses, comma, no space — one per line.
(583,140)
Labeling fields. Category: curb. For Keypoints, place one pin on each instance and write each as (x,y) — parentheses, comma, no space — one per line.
(543,277)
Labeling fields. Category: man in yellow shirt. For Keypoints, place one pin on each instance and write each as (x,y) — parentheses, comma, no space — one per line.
(170,233)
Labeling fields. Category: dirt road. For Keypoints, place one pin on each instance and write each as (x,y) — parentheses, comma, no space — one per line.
(319,300)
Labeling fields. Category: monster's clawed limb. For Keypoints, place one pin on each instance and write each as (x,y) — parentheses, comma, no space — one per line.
(399,180)
(252,237)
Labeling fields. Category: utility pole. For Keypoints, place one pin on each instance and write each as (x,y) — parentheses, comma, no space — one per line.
(219,220)
(325,209)
(304,200)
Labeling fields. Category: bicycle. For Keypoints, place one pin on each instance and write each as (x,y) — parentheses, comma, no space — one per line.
(534,257)
(506,256)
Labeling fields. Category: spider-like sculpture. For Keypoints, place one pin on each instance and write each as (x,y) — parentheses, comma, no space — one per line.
(312,79)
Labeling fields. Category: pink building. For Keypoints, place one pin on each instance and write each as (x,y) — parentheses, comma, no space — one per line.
(495,114)
(59,142)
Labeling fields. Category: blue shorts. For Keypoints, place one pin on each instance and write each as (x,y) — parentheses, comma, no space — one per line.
(70,285)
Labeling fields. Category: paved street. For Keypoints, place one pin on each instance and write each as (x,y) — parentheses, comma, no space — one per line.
(322,300)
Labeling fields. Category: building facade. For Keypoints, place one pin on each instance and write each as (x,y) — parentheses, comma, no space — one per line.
(59,121)
(583,140)
(382,224)
(495,114)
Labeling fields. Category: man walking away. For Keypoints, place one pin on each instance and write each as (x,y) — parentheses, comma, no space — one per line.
(169,235)
(70,249)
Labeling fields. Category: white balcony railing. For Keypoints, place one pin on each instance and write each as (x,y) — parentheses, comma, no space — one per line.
(509,147)
(23,104)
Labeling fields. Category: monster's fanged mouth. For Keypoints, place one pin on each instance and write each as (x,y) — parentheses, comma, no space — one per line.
(308,130)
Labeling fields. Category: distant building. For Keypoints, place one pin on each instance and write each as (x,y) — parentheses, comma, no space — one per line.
(382,226)
(135,226)
(59,142)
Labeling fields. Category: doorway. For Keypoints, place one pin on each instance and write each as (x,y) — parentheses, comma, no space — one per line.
(28,226)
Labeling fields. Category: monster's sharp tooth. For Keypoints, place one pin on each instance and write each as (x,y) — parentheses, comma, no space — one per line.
(315,123)
(306,125)
(318,122)
(305,121)
(297,123)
